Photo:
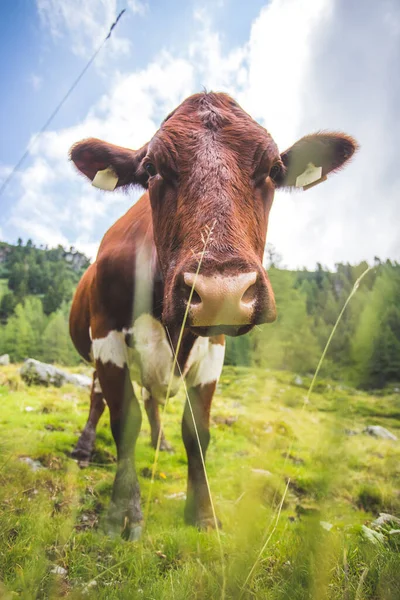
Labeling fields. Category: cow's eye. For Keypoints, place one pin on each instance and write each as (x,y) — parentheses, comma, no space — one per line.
(150,168)
(276,171)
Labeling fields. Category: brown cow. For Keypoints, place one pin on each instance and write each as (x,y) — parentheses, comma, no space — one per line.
(210,173)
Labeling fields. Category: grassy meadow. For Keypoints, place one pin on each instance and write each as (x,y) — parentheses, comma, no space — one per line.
(300,481)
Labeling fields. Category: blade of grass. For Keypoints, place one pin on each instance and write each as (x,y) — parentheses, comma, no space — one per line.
(321,360)
(205,241)
(364,574)
(253,568)
(306,401)
(203,462)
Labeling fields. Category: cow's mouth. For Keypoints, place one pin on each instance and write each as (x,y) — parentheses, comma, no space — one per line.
(231,330)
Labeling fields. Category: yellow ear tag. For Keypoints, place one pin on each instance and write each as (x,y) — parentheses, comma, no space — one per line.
(311,175)
(105,180)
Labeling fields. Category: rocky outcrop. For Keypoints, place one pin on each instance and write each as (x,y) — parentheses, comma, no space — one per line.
(4,360)
(38,373)
(379,431)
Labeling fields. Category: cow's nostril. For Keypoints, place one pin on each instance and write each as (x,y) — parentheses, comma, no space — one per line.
(250,294)
(195,297)
(187,291)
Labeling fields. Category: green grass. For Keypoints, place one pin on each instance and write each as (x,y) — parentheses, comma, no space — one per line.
(53,517)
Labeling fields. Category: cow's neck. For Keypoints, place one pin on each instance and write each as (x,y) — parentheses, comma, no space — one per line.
(152,279)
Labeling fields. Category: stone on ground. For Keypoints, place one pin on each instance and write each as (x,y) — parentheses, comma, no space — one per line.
(38,373)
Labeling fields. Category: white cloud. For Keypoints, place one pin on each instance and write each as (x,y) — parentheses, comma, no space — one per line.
(85,24)
(56,205)
(137,7)
(41,233)
(281,47)
(129,114)
(307,65)
(350,86)
(5,171)
(214,70)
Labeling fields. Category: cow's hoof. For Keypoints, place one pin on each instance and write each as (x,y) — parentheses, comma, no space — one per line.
(208,523)
(112,530)
(131,533)
(204,522)
(134,532)
(81,455)
(165,446)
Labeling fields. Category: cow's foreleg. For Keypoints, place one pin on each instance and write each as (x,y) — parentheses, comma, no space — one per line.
(153,414)
(198,509)
(84,447)
(124,514)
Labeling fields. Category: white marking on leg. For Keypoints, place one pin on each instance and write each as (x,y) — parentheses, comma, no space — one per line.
(111,348)
(145,395)
(205,362)
(97,387)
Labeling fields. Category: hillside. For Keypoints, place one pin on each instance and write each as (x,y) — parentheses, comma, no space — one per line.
(364,352)
(50,274)
(268,449)
(36,288)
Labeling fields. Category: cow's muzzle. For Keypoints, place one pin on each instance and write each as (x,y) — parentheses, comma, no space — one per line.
(230,304)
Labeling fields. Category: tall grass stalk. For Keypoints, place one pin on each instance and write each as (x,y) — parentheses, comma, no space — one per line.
(321,360)
(360,586)
(203,462)
(305,402)
(253,568)
(205,239)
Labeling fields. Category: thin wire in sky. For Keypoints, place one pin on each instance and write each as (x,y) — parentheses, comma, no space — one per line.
(59,105)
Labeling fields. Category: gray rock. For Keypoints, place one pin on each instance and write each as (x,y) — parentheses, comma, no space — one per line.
(88,586)
(57,570)
(381,432)
(263,472)
(176,496)
(38,373)
(35,465)
(4,360)
(375,537)
(386,519)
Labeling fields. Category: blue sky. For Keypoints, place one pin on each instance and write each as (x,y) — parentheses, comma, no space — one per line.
(296,65)
(33,54)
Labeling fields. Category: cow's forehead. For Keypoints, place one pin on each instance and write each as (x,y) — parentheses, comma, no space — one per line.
(213,112)
(206,102)
(216,117)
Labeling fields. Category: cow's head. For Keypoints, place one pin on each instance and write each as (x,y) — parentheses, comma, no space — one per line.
(211,172)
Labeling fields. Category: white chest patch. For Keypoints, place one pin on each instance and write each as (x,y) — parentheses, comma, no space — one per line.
(151,359)
(205,362)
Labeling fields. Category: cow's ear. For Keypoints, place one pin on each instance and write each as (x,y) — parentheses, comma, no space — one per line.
(310,160)
(109,166)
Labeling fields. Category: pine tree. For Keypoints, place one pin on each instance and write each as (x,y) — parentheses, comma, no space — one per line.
(18,336)
(375,348)
(57,345)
